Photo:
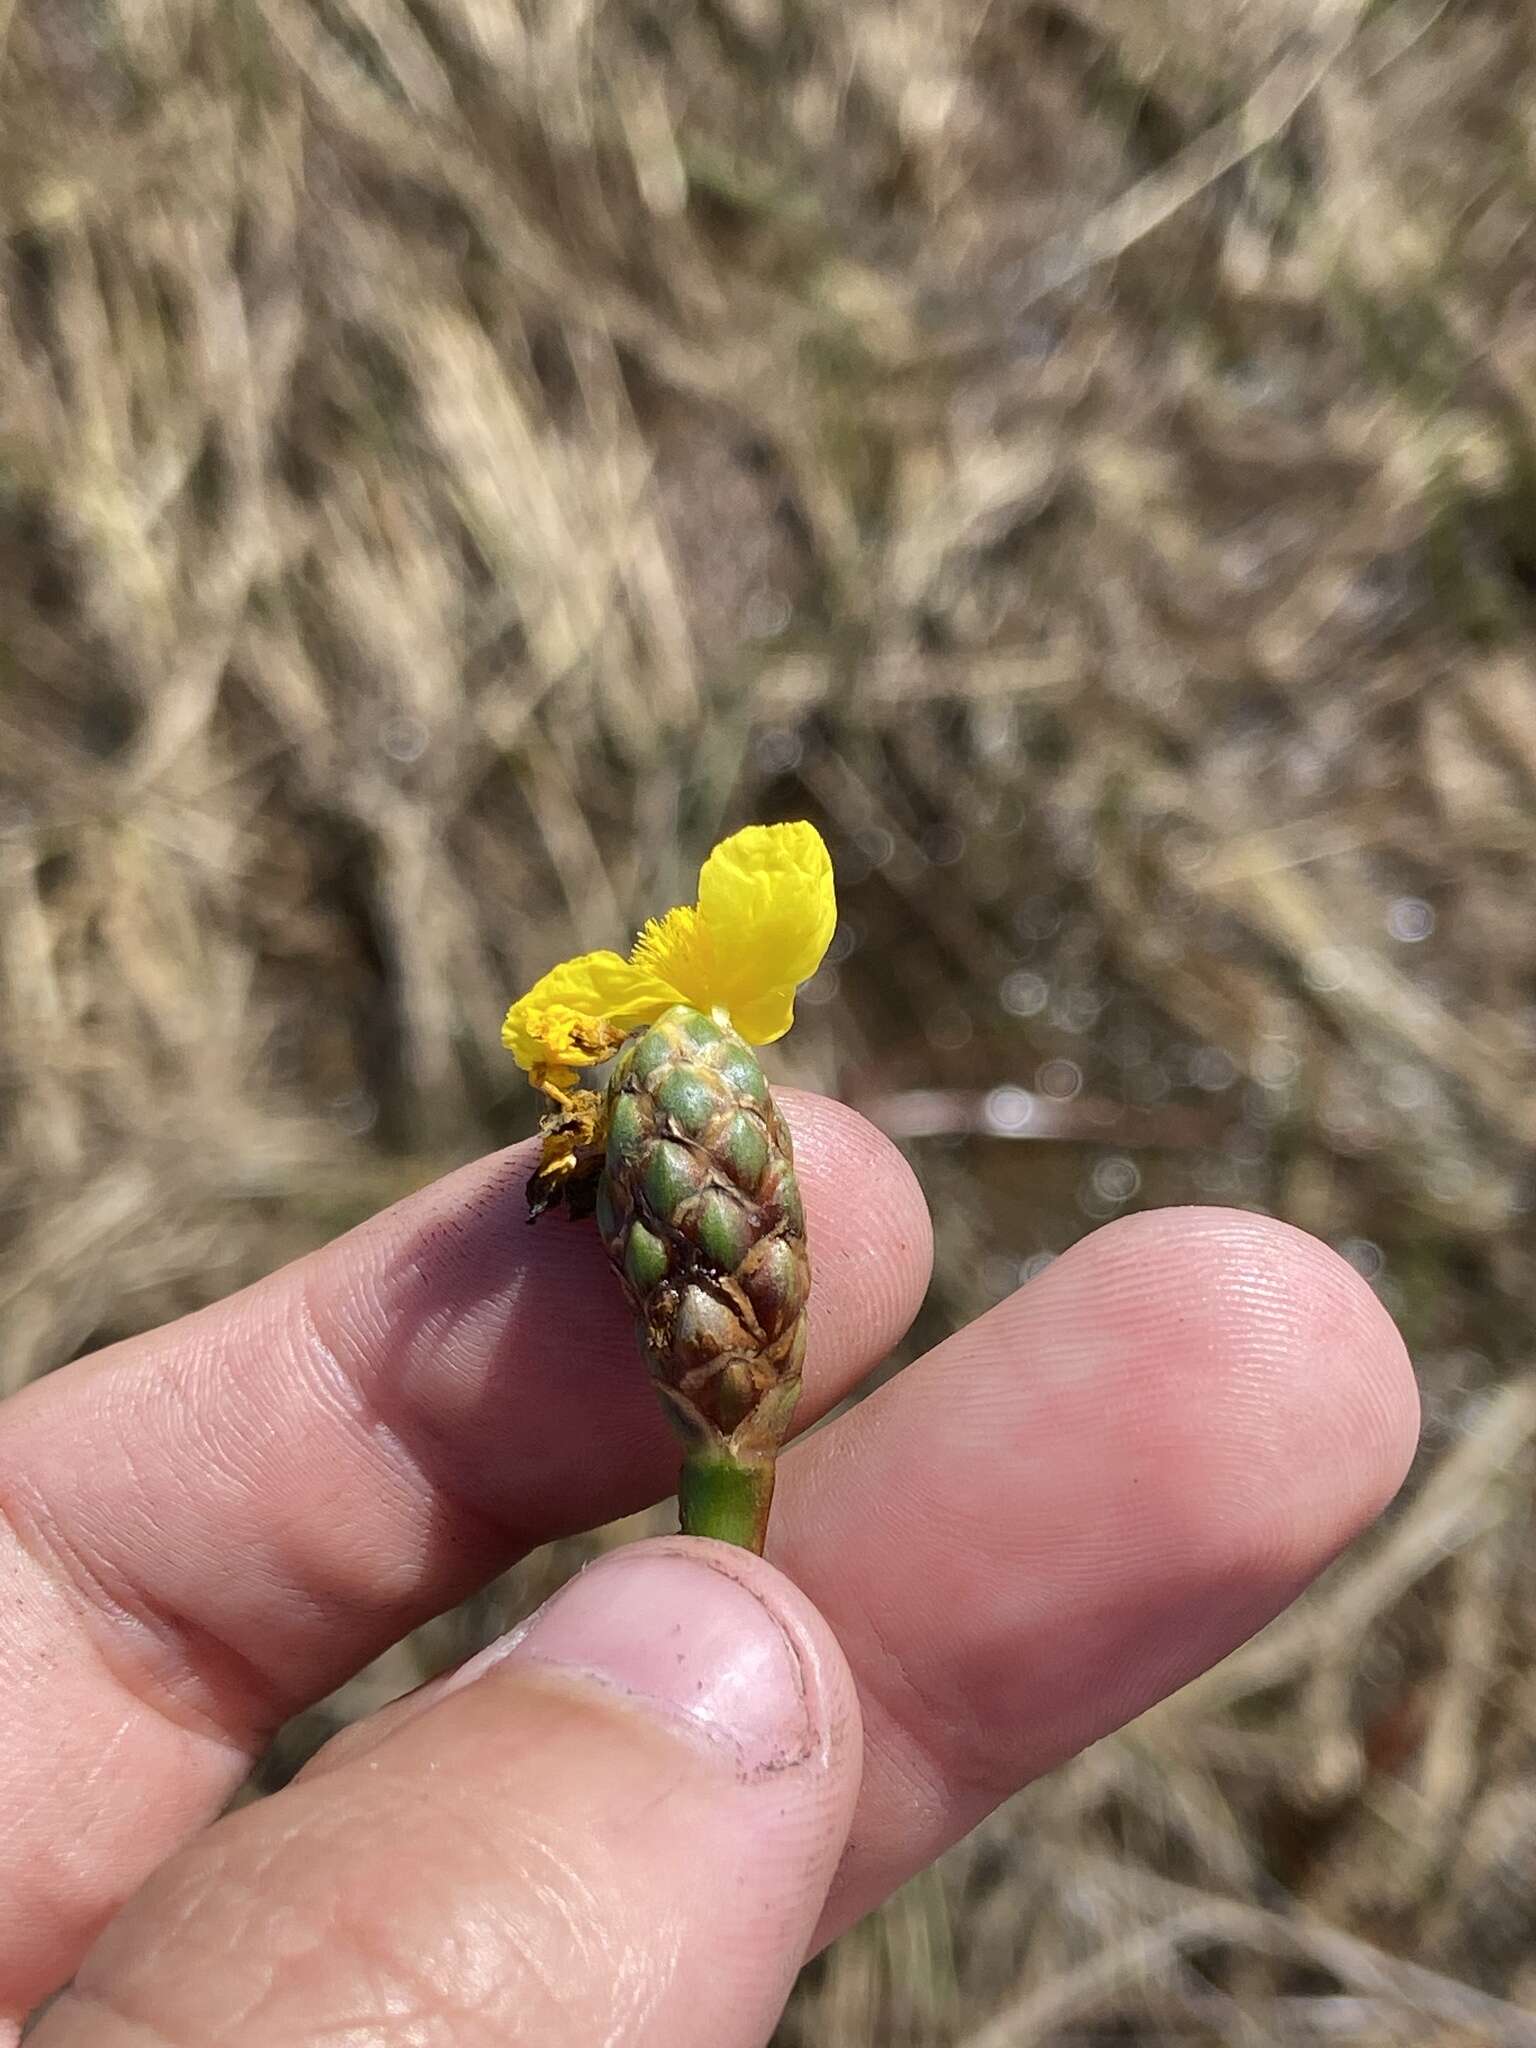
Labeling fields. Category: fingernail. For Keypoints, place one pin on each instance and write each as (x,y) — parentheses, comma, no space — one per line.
(686,1637)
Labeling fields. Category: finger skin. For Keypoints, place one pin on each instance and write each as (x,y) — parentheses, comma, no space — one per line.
(1066,1510)
(216,1524)
(546,1854)
(1076,1504)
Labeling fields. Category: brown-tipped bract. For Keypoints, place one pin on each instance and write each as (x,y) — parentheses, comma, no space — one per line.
(700,1211)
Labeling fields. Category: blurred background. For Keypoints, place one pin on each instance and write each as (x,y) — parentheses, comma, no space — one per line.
(459,457)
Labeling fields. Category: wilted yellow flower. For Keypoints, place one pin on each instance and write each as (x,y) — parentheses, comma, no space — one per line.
(764,918)
(571,1150)
(569,1040)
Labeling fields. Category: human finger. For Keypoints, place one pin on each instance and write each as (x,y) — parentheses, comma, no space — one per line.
(1076,1504)
(619,1826)
(210,1526)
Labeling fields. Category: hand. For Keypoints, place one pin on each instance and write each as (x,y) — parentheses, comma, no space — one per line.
(631,1821)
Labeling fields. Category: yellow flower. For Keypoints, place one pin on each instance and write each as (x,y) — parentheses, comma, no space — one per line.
(573,1135)
(566,1040)
(764,918)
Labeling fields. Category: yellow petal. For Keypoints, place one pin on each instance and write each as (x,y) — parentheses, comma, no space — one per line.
(765,917)
(546,1026)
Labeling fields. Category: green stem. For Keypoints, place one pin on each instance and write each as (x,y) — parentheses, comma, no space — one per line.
(725,1497)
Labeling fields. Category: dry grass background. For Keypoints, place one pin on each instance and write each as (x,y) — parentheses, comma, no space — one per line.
(455,456)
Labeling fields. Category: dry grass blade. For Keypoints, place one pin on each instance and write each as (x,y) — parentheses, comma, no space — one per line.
(1418,1997)
(1153,201)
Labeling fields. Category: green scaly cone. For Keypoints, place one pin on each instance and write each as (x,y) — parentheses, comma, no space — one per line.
(700,1213)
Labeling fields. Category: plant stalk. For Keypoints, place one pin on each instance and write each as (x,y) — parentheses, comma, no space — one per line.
(726,1497)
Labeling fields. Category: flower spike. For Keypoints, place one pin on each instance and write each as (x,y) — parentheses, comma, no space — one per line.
(685,1160)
